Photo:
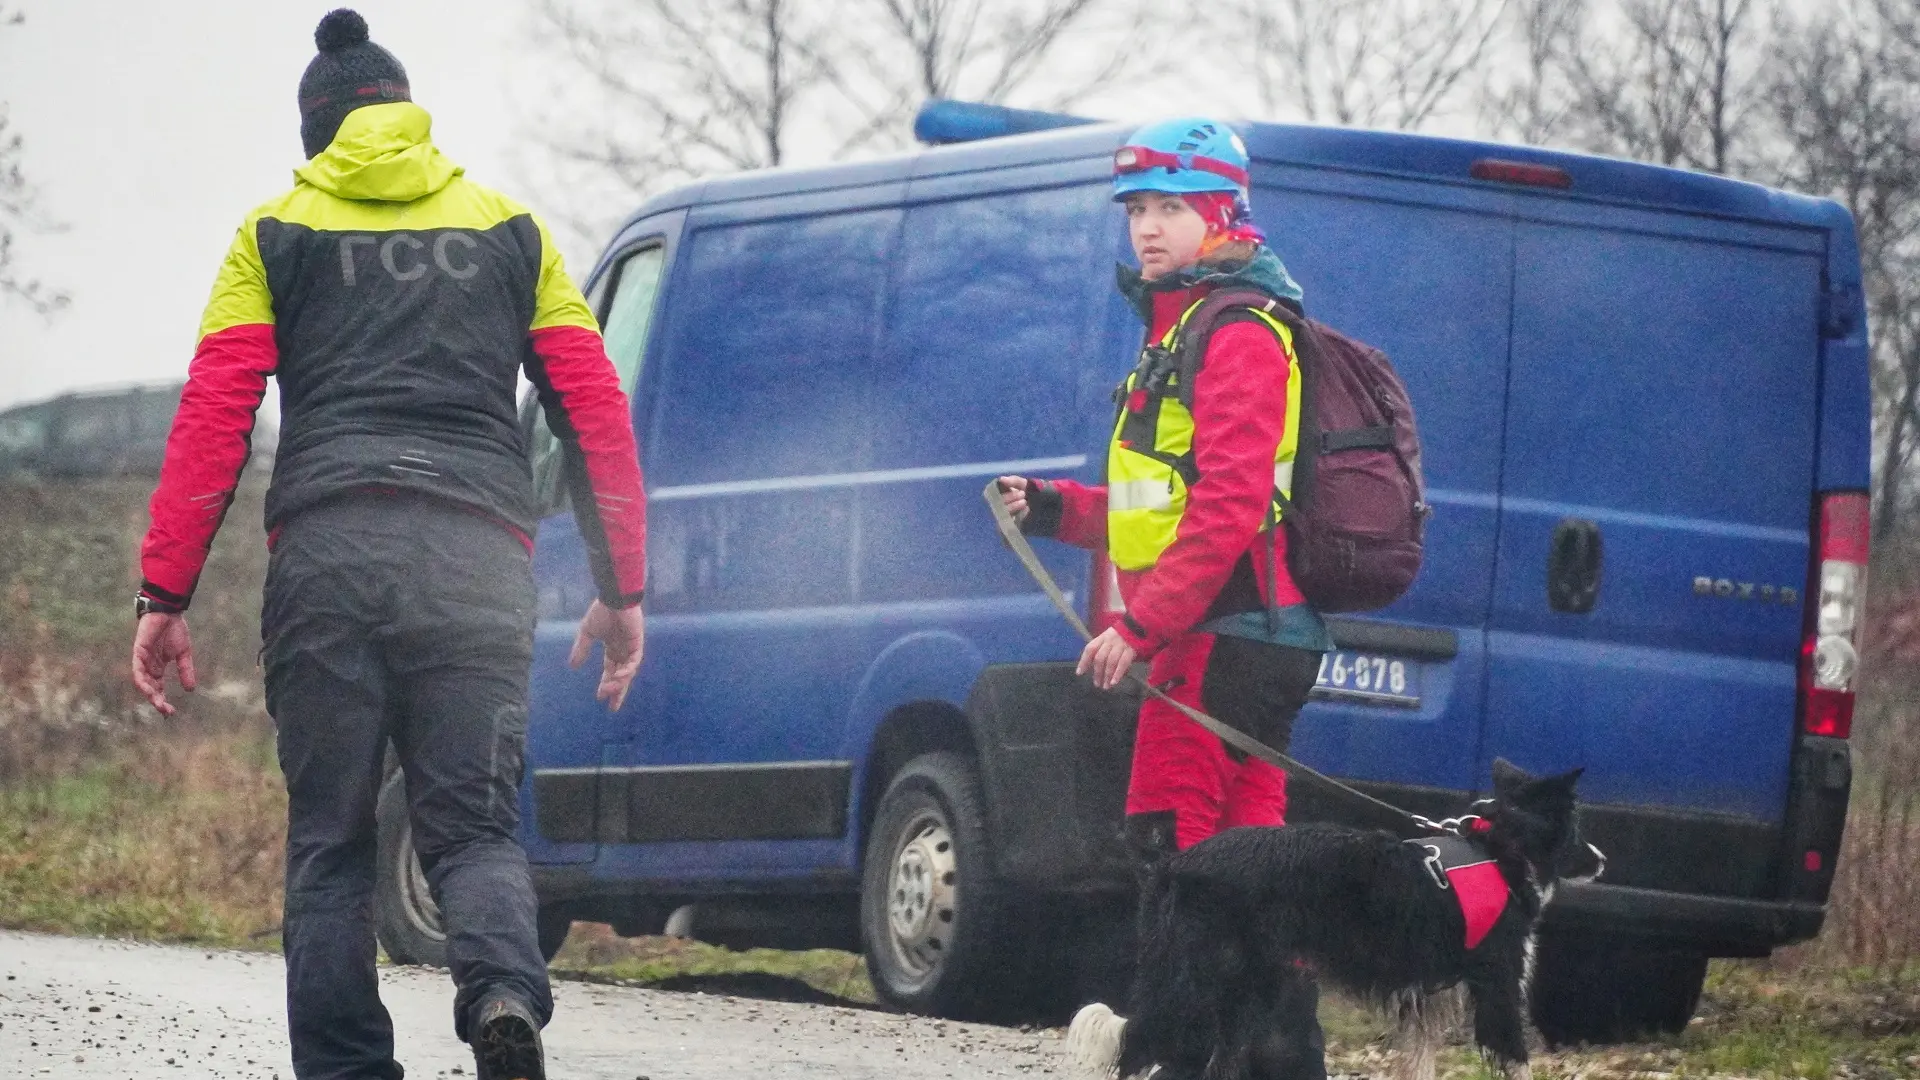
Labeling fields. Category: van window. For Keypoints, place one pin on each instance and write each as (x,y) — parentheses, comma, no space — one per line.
(991,337)
(625,326)
(635,285)
(763,376)
(989,330)
(767,357)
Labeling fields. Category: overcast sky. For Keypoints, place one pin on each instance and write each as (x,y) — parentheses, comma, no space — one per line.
(153,127)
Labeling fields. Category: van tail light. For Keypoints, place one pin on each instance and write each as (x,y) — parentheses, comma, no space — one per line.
(1830,656)
(1104,605)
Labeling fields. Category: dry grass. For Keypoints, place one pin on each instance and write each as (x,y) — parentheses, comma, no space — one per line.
(179,841)
(1752,1023)
(595,951)
(114,820)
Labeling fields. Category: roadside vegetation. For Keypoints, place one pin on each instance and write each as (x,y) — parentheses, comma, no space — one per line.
(116,822)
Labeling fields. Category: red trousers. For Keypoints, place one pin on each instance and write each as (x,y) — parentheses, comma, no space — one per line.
(1182,768)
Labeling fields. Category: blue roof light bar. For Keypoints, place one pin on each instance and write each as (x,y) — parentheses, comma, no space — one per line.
(943,120)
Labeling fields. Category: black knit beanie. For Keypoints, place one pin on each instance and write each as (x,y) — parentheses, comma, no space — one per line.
(350,71)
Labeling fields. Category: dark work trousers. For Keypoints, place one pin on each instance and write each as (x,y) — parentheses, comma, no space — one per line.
(393,616)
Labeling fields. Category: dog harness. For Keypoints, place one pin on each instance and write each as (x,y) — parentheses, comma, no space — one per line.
(1464,869)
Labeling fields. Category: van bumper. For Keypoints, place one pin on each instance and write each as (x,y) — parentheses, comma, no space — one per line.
(1722,925)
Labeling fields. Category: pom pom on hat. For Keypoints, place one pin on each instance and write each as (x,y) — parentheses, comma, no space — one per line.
(341,28)
(349,72)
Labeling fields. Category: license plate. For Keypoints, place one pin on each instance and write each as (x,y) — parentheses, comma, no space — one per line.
(1364,677)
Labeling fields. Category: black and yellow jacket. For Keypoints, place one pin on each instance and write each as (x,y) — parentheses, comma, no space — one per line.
(397,302)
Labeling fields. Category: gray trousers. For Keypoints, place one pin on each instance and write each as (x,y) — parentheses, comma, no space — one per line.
(399,617)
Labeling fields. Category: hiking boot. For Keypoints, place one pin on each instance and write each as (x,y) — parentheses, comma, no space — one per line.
(506,1040)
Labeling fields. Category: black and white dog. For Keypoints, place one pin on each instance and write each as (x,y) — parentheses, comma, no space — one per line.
(1236,929)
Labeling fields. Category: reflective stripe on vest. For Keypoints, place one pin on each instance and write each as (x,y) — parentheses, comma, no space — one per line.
(1146,494)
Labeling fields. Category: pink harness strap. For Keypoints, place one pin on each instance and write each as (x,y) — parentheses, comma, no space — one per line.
(1482,894)
(1473,878)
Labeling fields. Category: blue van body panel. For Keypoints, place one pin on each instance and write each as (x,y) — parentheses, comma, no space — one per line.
(1643,348)
(1846,372)
(1436,301)
(567,728)
(1679,727)
(730,865)
(844,356)
(938,665)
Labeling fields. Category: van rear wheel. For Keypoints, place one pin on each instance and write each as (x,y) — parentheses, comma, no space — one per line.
(930,911)
(406,919)
(1597,989)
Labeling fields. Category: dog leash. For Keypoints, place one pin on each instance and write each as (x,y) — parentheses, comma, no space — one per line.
(1403,822)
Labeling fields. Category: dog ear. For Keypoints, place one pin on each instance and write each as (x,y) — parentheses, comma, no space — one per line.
(1507,778)
(1566,780)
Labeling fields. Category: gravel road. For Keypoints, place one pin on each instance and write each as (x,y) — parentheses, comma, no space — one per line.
(84,1008)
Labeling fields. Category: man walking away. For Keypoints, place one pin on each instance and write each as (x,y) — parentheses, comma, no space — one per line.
(397,302)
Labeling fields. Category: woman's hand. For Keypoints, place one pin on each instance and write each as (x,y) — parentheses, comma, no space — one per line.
(1013,495)
(1107,658)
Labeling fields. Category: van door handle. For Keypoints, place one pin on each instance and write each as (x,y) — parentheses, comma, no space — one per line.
(1573,567)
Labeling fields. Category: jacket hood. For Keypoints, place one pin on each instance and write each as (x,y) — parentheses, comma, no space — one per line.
(1264,271)
(384,153)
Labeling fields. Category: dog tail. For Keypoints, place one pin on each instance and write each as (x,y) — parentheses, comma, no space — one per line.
(1093,1039)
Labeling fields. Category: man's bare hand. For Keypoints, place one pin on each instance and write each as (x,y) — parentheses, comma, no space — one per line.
(1013,494)
(161,642)
(622,636)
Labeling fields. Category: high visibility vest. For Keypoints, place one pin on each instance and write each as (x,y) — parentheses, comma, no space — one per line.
(1150,462)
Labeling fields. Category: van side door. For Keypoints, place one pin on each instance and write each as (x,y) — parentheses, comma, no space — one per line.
(756,433)
(1654,529)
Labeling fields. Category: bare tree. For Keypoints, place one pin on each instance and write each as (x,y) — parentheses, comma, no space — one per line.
(698,86)
(663,91)
(990,50)
(18,211)
(1529,101)
(1675,82)
(1845,98)
(1359,63)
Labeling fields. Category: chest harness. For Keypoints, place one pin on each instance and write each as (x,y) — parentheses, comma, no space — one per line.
(1151,463)
(1462,867)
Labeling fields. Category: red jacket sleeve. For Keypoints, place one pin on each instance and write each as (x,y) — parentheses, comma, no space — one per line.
(206,450)
(1239,417)
(589,413)
(1083,514)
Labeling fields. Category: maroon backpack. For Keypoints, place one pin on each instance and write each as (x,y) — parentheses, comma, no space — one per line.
(1357,514)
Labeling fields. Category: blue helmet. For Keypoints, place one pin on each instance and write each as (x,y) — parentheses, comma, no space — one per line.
(1181,157)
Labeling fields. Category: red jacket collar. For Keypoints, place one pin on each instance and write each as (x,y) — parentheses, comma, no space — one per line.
(1168,306)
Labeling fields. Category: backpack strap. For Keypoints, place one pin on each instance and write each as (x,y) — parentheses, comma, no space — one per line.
(1225,306)
(1368,438)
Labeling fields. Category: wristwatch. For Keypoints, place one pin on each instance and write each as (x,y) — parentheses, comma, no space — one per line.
(144,605)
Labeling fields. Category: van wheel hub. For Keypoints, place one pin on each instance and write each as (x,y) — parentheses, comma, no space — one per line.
(921,894)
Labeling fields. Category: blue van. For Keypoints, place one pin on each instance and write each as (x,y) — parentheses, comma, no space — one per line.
(1643,395)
